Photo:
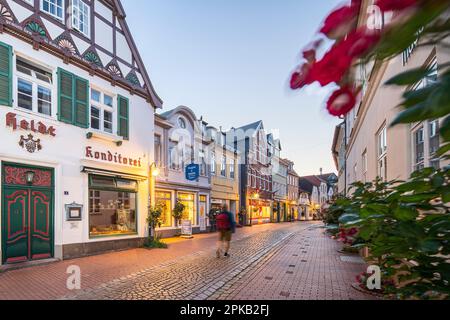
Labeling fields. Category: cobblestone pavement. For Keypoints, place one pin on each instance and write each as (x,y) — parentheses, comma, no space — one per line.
(47,282)
(296,261)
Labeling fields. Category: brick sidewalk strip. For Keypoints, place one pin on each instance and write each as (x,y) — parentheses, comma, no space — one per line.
(308,267)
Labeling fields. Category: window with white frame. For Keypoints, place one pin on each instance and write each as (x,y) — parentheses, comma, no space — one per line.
(223,166)
(174,155)
(419,149)
(34,88)
(382,154)
(213,163)
(364,165)
(54,8)
(80,17)
(434,143)
(232,170)
(202,163)
(158,151)
(102,111)
(425,135)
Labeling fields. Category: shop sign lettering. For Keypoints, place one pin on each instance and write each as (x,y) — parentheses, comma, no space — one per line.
(32,125)
(111,157)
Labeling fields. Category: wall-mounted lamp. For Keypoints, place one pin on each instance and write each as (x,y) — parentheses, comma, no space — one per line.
(155,171)
(29,177)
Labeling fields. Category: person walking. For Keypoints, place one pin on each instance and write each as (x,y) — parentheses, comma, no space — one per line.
(226,225)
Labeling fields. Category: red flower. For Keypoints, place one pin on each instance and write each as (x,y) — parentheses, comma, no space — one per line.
(332,67)
(395,5)
(309,52)
(341,102)
(360,42)
(341,21)
(301,77)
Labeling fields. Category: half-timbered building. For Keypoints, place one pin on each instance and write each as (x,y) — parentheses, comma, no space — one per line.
(77,110)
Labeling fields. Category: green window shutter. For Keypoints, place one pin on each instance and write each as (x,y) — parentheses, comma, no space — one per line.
(5,74)
(81,103)
(73,100)
(66,96)
(123,117)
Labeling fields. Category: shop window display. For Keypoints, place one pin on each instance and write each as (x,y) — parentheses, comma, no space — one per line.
(164,199)
(112,206)
(189,206)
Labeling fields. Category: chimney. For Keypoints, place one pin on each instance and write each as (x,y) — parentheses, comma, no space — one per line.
(321,171)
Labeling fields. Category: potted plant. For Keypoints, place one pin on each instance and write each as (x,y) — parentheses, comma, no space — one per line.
(177,212)
(154,221)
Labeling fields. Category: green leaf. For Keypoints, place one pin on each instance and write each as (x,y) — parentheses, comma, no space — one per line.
(414,97)
(445,129)
(443,150)
(414,114)
(405,213)
(430,246)
(409,77)
(346,218)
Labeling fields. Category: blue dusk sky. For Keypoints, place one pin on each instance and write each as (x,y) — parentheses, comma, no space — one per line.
(230,61)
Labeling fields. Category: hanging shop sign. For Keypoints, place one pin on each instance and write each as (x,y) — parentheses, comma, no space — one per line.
(29,125)
(112,157)
(192,172)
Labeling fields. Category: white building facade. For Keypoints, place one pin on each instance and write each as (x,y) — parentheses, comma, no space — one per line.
(180,140)
(76,109)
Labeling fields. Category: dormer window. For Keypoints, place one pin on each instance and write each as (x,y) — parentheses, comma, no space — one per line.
(182,123)
(54,8)
(80,17)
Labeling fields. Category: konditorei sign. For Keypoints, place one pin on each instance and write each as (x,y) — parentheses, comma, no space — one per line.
(112,157)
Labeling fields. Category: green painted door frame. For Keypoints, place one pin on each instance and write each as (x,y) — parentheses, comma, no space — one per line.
(27,217)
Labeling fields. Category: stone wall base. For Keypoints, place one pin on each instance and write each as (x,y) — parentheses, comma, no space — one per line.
(79,250)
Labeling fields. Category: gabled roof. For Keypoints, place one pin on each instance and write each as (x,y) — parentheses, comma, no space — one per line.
(326,177)
(155,99)
(313,180)
(58,39)
(181,109)
(252,126)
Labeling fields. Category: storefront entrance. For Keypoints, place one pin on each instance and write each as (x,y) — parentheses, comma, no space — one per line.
(27,213)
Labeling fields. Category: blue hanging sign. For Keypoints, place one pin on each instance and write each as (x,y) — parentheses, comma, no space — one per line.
(192,172)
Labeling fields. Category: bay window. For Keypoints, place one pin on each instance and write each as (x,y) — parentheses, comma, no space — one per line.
(34,88)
